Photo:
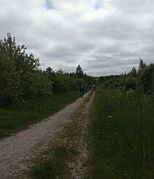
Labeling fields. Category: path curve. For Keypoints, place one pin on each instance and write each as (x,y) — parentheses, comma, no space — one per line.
(17,149)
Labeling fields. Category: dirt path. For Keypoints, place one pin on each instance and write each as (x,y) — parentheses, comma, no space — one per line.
(16,150)
(78,166)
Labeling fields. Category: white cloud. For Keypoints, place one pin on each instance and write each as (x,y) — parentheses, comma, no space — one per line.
(103,36)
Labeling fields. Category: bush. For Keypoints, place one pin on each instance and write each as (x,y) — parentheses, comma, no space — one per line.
(20,76)
(130,84)
(146,79)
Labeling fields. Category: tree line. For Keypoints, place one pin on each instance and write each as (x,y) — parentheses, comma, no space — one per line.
(21,77)
(140,80)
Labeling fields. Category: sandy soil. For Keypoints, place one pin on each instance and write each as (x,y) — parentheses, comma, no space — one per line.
(18,149)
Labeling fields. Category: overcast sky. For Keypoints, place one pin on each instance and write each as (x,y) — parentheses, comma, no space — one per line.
(103,36)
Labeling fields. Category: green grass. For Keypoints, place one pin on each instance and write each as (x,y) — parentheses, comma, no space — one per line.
(19,118)
(122,135)
(53,165)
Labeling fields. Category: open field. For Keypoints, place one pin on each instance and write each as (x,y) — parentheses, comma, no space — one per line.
(20,117)
(122,135)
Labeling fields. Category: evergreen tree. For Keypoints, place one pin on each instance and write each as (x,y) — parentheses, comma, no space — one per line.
(79,71)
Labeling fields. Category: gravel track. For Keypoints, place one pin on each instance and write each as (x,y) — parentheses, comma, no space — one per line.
(18,149)
(78,166)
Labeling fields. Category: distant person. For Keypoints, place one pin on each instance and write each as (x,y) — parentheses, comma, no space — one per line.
(81,90)
(94,87)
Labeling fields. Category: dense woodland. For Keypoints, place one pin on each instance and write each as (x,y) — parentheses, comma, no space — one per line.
(21,77)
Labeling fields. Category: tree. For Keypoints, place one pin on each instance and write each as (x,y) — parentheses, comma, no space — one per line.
(19,73)
(142,66)
(16,53)
(146,79)
(79,71)
(49,70)
(133,73)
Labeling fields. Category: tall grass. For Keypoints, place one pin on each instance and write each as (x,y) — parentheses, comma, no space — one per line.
(34,110)
(122,136)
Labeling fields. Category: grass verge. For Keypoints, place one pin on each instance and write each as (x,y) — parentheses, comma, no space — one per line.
(19,118)
(122,136)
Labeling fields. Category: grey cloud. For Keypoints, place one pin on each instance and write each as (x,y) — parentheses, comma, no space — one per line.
(49,4)
(106,40)
(113,27)
(134,6)
(60,52)
(98,4)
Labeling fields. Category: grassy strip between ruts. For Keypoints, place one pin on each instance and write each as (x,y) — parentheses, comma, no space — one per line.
(19,118)
(56,161)
(122,136)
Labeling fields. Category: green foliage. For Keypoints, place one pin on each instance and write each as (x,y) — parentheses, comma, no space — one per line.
(142,66)
(60,83)
(9,82)
(146,79)
(21,79)
(19,75)
(112,82)
(54,165)
(32,111)
(63,82)
(130,84)
(122,135)
(133,72)
(79,71)
(141,80)
(35,83)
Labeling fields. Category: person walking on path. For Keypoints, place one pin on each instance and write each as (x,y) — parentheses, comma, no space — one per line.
(81,90)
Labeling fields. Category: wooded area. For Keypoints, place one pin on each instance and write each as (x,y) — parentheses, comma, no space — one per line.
(22,78)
